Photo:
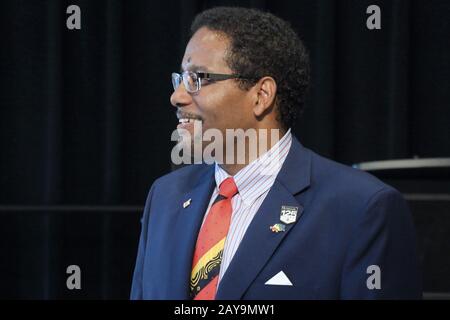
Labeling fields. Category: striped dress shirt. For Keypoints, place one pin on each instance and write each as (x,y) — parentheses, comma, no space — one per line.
(253,182)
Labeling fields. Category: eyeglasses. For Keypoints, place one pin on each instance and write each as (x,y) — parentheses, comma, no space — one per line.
(193,80)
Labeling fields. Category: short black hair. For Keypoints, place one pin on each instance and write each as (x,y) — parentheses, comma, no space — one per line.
(262,44)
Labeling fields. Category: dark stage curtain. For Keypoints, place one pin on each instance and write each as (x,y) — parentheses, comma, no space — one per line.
(85,117)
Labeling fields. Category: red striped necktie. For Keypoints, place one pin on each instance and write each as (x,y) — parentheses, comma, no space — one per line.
(210,244)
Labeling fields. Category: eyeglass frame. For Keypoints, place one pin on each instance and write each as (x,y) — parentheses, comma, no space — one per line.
(203,75)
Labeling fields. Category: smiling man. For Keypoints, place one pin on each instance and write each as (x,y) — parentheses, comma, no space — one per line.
(305,227)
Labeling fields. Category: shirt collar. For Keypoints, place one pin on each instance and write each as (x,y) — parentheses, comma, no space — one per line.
(258,176)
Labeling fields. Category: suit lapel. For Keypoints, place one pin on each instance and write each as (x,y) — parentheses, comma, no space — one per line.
(259,243)
(189,220)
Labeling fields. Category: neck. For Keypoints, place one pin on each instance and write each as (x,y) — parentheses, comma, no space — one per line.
(253,150)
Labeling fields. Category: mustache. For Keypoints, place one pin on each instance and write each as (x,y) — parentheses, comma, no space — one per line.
(184,114)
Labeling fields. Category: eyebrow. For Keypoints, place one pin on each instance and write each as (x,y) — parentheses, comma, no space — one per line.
(194,67)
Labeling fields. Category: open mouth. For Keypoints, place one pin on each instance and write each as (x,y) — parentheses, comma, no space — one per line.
(188,123)
(187,120)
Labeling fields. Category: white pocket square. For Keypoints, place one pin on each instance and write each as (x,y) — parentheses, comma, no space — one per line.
(280,279)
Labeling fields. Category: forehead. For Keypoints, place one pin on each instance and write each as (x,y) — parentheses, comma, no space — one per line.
(206,50)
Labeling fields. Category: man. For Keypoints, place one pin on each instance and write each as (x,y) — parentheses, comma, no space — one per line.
(304,228)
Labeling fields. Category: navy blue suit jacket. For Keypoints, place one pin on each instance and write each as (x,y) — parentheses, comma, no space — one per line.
(348,220)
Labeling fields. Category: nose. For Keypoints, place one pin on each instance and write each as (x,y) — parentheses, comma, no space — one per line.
(180,97)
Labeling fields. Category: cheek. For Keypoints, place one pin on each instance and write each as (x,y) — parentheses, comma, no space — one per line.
(212,107)
(223,110)
(239,111)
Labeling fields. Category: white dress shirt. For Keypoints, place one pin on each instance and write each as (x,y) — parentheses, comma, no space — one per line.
(253,182)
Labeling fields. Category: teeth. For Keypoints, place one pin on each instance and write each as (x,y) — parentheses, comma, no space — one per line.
(186,120)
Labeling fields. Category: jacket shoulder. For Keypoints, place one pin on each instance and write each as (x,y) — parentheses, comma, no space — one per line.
(344,179)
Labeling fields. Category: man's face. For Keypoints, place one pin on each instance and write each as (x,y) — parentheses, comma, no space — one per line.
(222,104)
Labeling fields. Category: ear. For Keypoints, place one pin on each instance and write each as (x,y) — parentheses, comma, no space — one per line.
(265,95)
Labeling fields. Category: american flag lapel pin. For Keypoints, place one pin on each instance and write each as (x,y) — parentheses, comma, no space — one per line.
(186,203)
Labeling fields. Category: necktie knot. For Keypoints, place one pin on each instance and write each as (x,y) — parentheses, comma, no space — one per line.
(228,188)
